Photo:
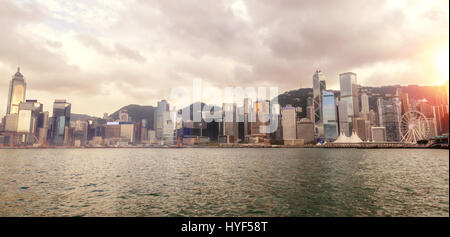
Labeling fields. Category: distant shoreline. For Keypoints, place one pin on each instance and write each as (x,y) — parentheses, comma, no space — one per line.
(341,146)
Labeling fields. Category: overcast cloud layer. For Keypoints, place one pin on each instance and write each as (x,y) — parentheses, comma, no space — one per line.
(106,54)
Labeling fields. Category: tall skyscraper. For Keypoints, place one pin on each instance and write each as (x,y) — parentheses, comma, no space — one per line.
(16,94)
(164,129)
(318,87)
(230,125)
(405,103)
(80,132)
(43,127)
(362,129)
(343,118)
(349,94)
(61,115)
(389,112)
(28,120)
(305,131)
(260,117)
(247,110)
(365,104)
(288,123)
(330,126)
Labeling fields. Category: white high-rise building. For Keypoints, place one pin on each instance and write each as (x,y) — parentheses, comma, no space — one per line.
(349,94)
(364,103)
(288,123)
(343,118)
(230,125)
(28,120)
(163,123)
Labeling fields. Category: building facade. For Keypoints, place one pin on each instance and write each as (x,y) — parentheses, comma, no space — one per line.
(389,112)
(349,94)
(288,123)
(16,93)
(330,121)
(61,115)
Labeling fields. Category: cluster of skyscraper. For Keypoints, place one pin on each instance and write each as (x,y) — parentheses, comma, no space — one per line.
(26,122)
(351,114)
(347,115)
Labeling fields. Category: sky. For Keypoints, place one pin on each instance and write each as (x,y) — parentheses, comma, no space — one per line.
(102,55)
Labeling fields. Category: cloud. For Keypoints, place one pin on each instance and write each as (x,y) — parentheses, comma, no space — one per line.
(103,55)
(119,50)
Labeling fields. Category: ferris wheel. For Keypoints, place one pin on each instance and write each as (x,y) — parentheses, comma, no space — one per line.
(414,127)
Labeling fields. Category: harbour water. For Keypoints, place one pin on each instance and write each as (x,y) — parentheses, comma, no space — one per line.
(224,182)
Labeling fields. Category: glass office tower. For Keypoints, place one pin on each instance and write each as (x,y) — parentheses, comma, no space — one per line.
(330,125)
(61,114)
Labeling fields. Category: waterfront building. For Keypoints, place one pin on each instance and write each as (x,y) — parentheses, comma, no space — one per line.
(247,124)
(143,136)
(425,108)
(364,103)
(288,123)
(16,93)
(389,112)
(277,136)
(405,102)
(378,134)
(112,130)
(127,131)
(373,118)
(229,123)
(330,125)
(160,113)
(61,115)
(362,129)
(365,109)
(260,118)
(441,119)
(318,87)
(310,112)
(343,118)
(163,123)
(100,130)
(91,124)
(80,133)
(432,131)
(349,94)
(305,131)
(68,136)
(151,136)
(11,121)
(42,125)
(27,121)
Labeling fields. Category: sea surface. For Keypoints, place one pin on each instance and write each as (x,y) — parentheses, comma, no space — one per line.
(224,182)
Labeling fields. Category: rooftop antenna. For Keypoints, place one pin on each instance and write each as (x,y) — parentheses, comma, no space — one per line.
(18,63)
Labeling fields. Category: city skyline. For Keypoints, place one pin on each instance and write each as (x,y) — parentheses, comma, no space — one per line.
(328,112)
(118,55)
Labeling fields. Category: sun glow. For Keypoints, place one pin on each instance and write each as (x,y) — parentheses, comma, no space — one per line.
(441,64)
